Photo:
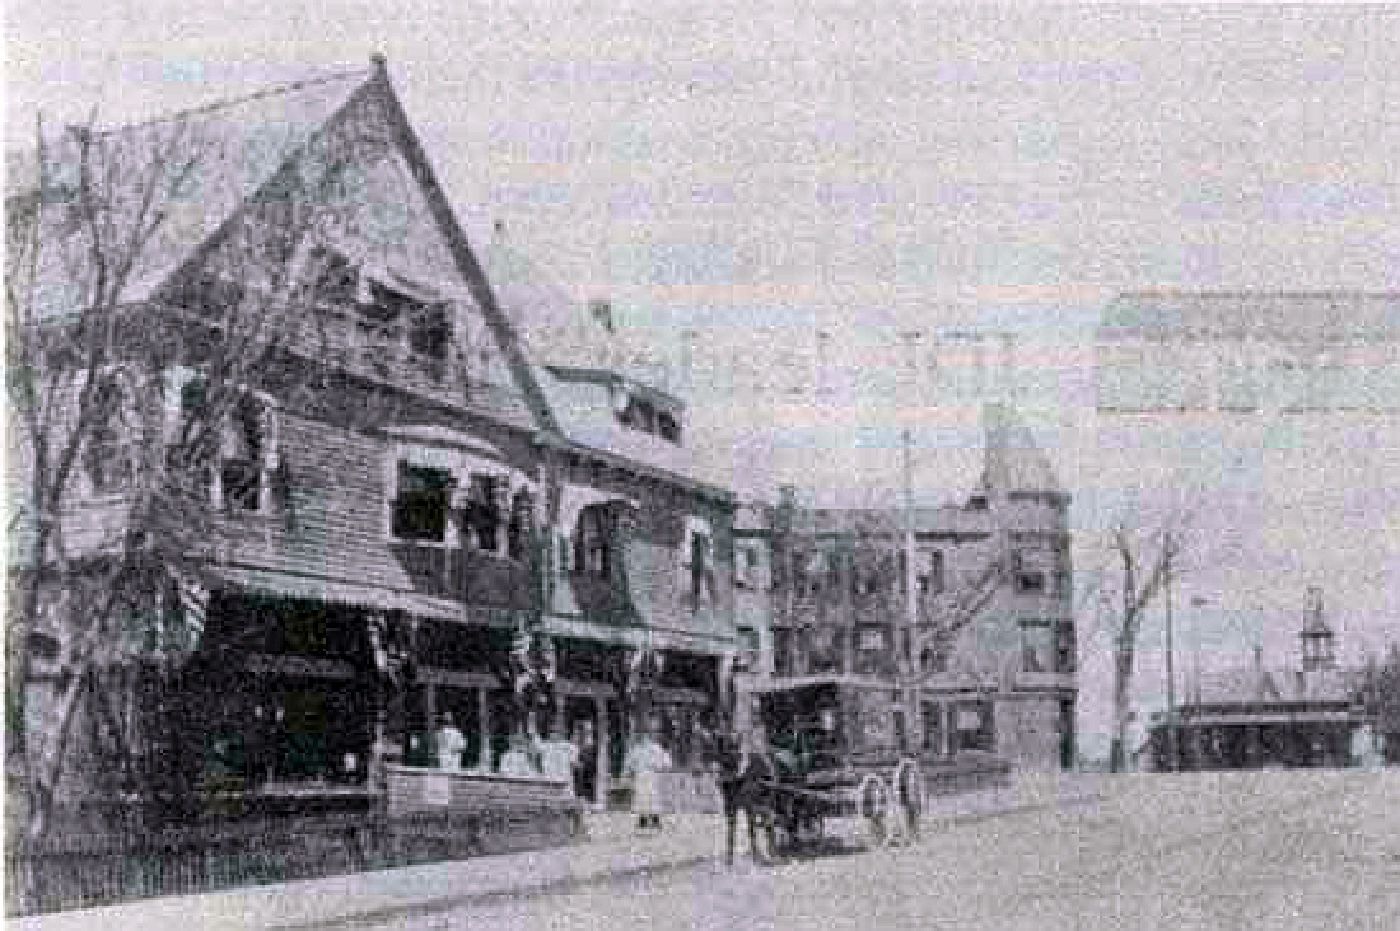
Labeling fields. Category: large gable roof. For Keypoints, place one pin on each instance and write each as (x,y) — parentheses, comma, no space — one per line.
(239,146)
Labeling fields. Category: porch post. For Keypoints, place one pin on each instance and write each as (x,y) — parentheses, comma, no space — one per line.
(603,770)
(483,717)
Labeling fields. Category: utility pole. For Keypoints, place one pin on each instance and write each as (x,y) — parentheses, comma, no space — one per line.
(1173,760)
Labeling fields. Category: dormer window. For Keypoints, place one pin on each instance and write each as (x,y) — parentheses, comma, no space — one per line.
(383,310)
(668,427)
(647,417)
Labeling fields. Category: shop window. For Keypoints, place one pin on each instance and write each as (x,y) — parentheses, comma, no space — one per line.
(421,503)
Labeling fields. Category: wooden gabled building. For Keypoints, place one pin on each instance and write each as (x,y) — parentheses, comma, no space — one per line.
(389,536)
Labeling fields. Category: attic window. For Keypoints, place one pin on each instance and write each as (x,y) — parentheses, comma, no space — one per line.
(667,426)
(336,280)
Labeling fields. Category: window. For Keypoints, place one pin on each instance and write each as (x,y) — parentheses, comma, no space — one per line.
(1030,577)
(522,524)
(593,544)
(243,456)
(747,656)
(668,427)
(483,518)
(871,639)
(644,417)
(428,331)
(931,582)
(933,728)
(1036,647)
(974,724)
(336,280)
(106,459)
(1066,658)
(697,563)
(236,472)
(420,507)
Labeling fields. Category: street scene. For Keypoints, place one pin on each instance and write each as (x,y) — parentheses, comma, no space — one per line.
(696,468)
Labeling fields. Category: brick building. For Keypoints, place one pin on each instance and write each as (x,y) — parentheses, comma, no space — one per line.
(435,511)
(967,610)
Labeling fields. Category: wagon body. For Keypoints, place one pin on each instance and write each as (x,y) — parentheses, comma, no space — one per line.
(837,752)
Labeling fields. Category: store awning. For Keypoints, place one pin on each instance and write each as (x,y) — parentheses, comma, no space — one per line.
(652,638)
(312,588)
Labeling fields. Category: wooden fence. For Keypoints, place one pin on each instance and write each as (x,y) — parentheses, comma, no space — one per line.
(81,870)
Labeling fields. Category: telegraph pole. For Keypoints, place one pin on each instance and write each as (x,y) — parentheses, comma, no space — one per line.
(1173,759)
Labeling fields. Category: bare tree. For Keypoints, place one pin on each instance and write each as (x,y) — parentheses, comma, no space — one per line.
(1146,566)
(136,370)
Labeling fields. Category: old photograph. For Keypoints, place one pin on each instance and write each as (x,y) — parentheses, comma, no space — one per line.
(537,464)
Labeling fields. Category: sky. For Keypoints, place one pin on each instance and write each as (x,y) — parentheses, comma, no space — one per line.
(756,174)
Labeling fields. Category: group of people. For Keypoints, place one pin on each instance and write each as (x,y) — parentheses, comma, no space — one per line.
(743,769)
(745,776)
(570,761)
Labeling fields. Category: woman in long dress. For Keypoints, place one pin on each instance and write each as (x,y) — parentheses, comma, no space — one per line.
(645,761)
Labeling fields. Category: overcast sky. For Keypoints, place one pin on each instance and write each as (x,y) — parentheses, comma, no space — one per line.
(867,167)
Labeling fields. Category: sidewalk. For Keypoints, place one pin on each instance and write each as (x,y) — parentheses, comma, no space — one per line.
(614,848)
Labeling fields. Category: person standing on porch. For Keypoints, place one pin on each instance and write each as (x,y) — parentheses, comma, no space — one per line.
(645,762)
(450,744)
(585,761)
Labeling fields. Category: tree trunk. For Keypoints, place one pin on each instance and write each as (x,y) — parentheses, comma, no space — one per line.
(46,768)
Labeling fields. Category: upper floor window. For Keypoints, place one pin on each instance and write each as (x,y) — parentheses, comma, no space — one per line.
(244,456)
(697,563)
(106,454)
(484,514)
(932,582)
(975,726)
(1036,647)
(747,567)
(421,503)
(1030,577)
(593,545)
(236,473)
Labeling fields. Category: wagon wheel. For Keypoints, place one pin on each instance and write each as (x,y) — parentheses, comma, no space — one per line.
(909,783)
(874,809)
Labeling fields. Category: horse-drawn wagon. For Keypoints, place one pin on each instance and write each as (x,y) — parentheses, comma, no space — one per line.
(838,751)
